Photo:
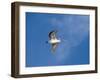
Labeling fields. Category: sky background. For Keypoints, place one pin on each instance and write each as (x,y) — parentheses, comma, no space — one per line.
(73,31)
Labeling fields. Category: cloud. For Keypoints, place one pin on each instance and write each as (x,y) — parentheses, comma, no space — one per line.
(72,30)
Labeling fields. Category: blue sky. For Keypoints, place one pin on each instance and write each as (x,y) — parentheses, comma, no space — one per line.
(73,31)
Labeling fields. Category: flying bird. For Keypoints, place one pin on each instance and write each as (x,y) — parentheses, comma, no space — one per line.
(53,40)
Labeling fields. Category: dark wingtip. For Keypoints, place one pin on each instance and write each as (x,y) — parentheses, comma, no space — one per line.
(52,32)
(46,42)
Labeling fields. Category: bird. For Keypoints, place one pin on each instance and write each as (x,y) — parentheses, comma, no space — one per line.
(53,40)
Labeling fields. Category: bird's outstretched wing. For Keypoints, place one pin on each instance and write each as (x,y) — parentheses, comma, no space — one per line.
(54,47)
(52,35)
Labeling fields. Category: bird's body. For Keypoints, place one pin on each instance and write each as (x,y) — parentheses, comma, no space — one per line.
(53,40)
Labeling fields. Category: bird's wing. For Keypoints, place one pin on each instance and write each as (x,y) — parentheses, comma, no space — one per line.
(52,35)
(54,47)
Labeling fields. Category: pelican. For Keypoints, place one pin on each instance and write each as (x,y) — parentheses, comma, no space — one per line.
(53,40)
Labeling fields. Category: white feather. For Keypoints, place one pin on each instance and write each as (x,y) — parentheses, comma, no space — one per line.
(52,41)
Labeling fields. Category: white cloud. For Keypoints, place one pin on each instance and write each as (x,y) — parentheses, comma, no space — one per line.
(72,30)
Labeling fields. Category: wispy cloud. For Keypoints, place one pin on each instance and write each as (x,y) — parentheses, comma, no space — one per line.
(72,29)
